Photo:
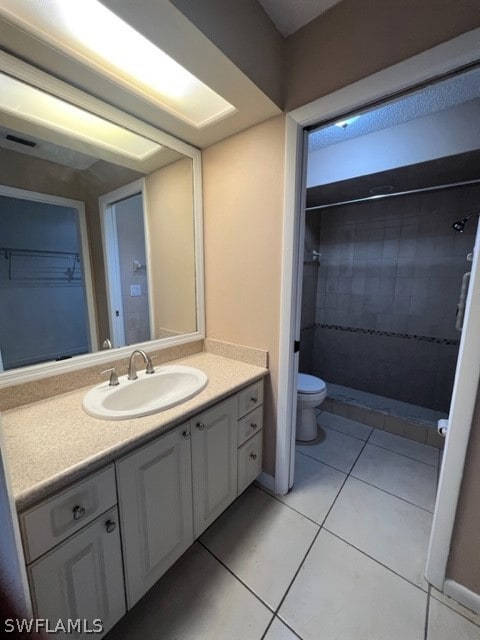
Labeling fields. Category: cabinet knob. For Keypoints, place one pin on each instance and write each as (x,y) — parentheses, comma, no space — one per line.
(253,456)
(78,512)
(254,399)
(110,526)
(186,435)
(200,426)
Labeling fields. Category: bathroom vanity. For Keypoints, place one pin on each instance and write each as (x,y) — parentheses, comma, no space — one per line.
(105,507)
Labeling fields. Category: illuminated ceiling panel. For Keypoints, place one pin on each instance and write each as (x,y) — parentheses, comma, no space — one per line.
(88,31)
(32,104)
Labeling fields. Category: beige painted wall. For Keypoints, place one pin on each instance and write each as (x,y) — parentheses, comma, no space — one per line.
(243,191)
(464,561)
(169,203)
(356,38)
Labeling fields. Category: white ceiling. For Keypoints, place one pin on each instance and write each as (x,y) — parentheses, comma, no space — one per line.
(290,15)
(432,99)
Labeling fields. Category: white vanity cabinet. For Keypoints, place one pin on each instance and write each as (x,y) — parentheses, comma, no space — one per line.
(250,435)
(85,553)
(214,462)
(79,579)
(155,500)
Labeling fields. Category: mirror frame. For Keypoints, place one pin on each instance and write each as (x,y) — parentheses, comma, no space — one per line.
(41,80)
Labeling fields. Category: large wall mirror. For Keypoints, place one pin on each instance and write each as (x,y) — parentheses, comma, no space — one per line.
(100,230)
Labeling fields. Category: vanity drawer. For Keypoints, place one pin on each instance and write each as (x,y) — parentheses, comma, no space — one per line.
(250,398)
(250,424)
(53,520)
(249,461)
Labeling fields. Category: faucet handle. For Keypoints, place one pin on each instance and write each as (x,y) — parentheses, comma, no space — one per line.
(150,368)
(113,377)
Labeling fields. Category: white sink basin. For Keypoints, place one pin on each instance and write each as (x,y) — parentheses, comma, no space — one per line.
(168,386)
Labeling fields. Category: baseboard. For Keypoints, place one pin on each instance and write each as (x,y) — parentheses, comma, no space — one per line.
(267,481)
(461,594)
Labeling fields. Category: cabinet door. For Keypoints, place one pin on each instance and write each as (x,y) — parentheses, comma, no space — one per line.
(81,580)
(214,462)
(155,501)
(249,461)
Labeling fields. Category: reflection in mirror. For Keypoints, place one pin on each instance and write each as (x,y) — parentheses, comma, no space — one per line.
(125,260)
(138,203)
(42,279)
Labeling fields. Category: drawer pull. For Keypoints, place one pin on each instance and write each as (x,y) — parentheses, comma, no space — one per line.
(78,512)
(254,425)
(200,426)
(254,399)
(186,435)
(253,456)
(110,526)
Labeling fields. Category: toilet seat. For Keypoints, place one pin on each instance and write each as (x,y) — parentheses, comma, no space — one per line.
(310,384)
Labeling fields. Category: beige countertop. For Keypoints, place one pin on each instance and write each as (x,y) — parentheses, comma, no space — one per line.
(51,443)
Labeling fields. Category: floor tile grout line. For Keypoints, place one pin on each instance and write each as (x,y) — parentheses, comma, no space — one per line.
(279,499)
(318,533)
(342,432)
(367,441)
(262,637)
(465,617)
(275,617)
(347,435)
(379,446)
(326,463)
(268,627)
(367,426)
(384,566)
(235,576)
(390,493)
(427,613)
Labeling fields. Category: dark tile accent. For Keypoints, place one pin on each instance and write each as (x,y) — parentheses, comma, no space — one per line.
(391,334)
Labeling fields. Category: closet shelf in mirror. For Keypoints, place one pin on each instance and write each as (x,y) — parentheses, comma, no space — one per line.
(40,265)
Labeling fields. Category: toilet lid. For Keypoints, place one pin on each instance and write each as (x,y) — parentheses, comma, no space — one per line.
(310,384)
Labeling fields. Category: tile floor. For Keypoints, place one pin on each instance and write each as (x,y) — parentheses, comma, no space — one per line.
(341,557)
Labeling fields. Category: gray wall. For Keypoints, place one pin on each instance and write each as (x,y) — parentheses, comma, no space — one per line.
(385,294)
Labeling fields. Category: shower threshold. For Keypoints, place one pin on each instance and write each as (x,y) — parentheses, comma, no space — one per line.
(394,416)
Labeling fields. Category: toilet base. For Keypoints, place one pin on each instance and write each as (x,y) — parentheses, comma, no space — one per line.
(307,428)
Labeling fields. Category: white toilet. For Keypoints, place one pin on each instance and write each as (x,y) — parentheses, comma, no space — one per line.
(311,392)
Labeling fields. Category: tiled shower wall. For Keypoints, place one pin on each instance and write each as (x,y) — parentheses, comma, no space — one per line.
(378,311)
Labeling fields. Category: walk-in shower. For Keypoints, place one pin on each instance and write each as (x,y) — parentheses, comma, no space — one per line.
(382,310)
(379,309)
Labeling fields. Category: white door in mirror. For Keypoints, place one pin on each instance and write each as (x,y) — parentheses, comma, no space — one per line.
(168,386)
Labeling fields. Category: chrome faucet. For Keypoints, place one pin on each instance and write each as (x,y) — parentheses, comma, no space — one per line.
(132,372)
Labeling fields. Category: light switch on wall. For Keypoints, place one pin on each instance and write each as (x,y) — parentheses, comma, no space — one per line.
(135,290)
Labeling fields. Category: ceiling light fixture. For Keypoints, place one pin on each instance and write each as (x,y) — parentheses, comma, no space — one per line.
(31,104)
(90,32)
